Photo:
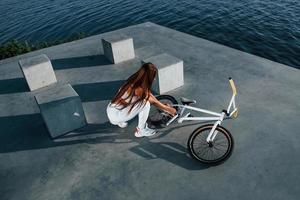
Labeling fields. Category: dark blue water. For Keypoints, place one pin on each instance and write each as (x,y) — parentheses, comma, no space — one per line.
(268,28)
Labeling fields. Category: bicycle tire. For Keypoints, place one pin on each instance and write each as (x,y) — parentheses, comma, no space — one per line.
(158,118)
(198,153)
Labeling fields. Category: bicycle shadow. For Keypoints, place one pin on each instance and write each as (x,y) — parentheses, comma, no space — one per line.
(106,133)
(168,151)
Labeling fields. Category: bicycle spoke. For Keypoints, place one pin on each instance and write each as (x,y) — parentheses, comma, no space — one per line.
(220,141)
(221,144)
(202,141)
(202,151)
(208,156)
(214,154)
(220,149)
(205,152)
(219,153)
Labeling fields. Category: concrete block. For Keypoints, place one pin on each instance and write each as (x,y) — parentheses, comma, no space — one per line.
(61,109)
(38,71)
(170,72)
(118,48)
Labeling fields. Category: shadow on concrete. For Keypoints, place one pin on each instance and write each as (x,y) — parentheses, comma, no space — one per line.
(98,91)
(77,62)
(28,132)
(91,132)
(22,133)
(169,151)
(106,133)
(14,85)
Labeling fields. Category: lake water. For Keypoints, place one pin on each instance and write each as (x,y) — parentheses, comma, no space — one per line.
(268,28)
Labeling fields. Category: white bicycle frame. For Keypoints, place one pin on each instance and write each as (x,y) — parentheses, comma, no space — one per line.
(231,112)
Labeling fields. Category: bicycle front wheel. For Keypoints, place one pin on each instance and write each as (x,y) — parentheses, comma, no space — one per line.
(212,153)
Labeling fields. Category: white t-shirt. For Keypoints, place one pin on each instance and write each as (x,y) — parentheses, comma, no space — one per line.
(125,95)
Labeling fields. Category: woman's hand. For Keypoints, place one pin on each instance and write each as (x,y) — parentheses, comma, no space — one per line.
(166,107)
(171,110)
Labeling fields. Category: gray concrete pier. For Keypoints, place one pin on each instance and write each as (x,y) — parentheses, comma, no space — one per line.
(102,161)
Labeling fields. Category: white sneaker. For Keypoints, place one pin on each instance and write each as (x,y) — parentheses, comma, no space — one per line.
(137,133)
(144,132)
(122,124)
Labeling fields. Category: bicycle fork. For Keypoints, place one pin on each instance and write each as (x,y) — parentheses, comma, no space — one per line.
(213,132)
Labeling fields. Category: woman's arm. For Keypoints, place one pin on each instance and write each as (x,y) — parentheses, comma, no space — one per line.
(152,99)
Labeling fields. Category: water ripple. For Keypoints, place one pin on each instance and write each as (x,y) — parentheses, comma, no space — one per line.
(263,27)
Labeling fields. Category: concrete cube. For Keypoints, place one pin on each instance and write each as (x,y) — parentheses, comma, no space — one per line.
(118,48)
(38,71)
(170,72)
(61,109)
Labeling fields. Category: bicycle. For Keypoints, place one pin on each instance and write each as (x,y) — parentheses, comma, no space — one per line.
(211,143)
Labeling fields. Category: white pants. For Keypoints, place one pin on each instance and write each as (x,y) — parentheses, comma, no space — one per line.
(117,116)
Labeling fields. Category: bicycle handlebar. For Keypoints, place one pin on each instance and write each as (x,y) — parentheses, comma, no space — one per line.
(232,86)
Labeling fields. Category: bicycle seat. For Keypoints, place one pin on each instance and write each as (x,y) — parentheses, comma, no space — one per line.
(186,101)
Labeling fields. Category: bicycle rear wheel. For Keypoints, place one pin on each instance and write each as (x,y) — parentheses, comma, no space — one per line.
(210,153)
(157,117)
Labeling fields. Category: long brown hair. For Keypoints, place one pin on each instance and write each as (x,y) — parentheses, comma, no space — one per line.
(143,78)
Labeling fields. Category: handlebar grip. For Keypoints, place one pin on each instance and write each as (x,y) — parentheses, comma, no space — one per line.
(233,86)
